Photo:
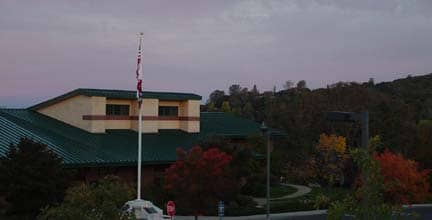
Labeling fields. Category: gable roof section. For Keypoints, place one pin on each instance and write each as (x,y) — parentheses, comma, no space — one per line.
(118,94)
(116,147)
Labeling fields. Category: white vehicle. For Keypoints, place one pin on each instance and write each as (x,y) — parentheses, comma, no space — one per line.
(143,210)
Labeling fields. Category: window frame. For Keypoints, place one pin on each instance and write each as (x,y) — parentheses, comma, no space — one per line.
(168,111)
(117,110)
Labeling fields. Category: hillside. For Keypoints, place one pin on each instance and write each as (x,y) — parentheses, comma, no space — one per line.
(416,91)
(395,109)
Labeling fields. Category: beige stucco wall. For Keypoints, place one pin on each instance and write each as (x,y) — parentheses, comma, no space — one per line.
(150,107)
(169,124)
(98,108)
(72,110)
(169,103)
(193,108)
(190,108)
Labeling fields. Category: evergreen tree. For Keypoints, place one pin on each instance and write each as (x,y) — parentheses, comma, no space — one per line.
(31,177)
(254,91)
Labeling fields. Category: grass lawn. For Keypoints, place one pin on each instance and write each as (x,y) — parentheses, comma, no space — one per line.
(281,190)
(307,201)
(302,203)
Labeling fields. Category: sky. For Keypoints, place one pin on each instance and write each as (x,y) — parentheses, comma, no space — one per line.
(50,47)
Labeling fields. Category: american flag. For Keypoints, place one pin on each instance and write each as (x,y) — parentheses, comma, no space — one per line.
(139,71)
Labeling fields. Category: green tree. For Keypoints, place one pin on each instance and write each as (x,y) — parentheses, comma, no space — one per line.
(248,111)
(234,89)
(217,97)
(211,107)
(423,151)
(288,85)
(301,84)
(100,201)
(254,91)
(31,177)
(226,107)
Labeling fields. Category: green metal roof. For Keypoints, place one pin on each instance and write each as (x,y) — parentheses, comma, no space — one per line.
(119,94)
(78,147)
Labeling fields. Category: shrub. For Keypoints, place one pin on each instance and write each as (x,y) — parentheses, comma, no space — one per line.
(321,201)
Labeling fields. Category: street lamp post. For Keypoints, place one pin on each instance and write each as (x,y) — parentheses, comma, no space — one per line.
(360,117)
(363,119)
(266,132)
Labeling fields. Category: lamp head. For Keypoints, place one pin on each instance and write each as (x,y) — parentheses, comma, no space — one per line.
(263,128)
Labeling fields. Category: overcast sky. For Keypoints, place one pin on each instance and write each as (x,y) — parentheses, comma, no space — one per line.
(51,47)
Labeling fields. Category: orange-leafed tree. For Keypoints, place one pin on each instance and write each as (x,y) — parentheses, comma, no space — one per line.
(404,182)
(199,179)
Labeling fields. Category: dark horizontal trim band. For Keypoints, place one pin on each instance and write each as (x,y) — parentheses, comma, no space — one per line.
(147,118)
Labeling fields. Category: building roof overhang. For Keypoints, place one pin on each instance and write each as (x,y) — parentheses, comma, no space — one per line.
(118,94)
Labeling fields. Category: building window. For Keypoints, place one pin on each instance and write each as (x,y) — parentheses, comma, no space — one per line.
(168,111)
(117,109)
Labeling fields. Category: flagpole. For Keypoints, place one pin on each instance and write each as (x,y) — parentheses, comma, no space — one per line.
(139,122)
(139,150)
(138,205)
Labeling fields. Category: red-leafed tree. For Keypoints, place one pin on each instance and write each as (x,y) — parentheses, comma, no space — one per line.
(404,182)
(199,179)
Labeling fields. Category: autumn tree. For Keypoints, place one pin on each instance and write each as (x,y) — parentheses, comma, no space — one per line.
(328,162)
(199,179)
(404,182)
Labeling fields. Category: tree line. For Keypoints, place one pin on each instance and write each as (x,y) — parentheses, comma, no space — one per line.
(400,112)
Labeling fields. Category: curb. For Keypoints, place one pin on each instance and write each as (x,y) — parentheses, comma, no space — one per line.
(303,214)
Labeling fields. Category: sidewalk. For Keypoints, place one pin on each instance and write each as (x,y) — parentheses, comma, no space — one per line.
(424,210)
(301,190)
(316,214)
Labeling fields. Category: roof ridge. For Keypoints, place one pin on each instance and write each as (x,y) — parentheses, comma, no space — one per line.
(117,94)
(133,91)
(12,109)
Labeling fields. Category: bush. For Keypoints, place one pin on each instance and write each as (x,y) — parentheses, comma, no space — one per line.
(242,205)
(321,202)
(31,177)
(100,201)
(255,189)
